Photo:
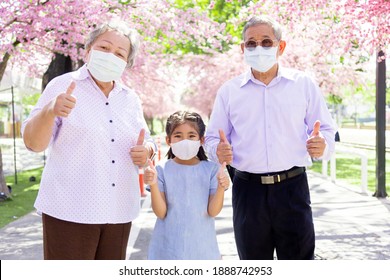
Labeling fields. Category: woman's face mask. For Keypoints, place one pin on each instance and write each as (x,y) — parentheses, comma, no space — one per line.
(105,67)
(185,149)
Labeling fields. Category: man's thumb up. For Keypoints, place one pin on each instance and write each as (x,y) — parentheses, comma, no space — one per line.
(316,129)
(224,150)
(222,137)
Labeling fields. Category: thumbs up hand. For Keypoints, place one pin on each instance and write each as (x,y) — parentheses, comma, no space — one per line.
(62,105)
(223,178)
(139,153)
(224,150)
(315,145)
(150,174)
(316,129)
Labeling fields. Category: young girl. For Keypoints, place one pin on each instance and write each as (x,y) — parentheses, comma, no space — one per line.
(187,192)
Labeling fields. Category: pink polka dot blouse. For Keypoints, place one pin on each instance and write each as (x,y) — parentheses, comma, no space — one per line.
(89,176)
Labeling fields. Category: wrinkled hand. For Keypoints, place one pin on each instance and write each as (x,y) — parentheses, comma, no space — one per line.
(150,174)
(139,153)
(62,105)
(223,178)
(224,149)
(315,145)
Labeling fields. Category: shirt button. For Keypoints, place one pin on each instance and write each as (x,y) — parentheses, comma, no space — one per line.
(107,103)
(113,184)
(113,161)
(110,121)
(112,140)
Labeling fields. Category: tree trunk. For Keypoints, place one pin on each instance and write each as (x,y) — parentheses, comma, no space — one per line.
(4,62)
(59,65)
(149,122)
(3,65)
(162,121)
(3,185)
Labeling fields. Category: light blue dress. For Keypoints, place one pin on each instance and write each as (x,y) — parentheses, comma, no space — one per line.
(187,232)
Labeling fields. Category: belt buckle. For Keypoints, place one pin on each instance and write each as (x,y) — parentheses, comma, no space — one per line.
(270,180)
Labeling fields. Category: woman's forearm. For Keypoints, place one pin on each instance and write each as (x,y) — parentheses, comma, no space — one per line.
(38,130)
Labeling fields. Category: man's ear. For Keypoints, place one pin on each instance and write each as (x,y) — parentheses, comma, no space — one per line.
(282,47)
(242,47)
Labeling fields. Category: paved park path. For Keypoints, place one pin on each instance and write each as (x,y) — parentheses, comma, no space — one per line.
(349,225)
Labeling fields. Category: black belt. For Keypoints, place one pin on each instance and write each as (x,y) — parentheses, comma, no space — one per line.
(270,178)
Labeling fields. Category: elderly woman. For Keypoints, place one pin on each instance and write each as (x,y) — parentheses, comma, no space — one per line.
(95,131)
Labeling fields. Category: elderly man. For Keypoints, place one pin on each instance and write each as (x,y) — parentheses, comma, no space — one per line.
(268,123)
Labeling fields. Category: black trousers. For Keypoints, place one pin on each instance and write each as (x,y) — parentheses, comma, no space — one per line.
(273,217)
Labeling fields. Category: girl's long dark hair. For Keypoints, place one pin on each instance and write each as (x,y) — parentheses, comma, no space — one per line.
(193,119)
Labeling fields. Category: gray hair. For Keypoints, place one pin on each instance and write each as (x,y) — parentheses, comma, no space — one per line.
(264,19)
(121,27)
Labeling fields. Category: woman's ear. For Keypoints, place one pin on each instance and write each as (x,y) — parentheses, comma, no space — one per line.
(87,55)
(202,140)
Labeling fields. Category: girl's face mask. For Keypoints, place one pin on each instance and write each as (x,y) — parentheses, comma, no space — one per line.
(185,149)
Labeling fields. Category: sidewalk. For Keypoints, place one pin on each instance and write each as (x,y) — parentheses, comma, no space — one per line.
(349,226)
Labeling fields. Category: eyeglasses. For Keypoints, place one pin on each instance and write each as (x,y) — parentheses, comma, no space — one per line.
(265,43)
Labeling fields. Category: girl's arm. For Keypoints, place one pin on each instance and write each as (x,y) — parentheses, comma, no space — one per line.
(216,200)
(159,204)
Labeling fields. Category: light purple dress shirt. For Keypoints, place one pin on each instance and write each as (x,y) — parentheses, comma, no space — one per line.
(89,176)
(268,125)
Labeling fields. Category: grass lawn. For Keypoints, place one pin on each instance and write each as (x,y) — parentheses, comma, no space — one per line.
(23,196)
(348,170)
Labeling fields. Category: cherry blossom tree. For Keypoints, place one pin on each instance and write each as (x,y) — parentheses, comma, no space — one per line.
(32,31)
(333,40)
(189,48)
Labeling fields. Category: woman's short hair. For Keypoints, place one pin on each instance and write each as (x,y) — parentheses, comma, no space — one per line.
(121,27)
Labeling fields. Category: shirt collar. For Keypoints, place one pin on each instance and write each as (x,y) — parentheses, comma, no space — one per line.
(282,73)
(81,74)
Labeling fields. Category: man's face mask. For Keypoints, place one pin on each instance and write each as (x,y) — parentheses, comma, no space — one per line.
(260,57)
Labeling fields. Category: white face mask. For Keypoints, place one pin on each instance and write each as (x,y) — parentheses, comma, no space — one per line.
(261,59)
(185,149)
(105,67)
